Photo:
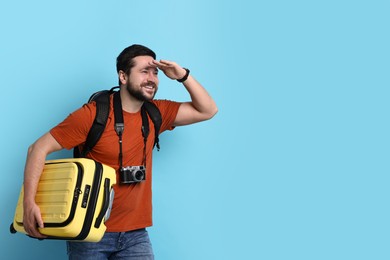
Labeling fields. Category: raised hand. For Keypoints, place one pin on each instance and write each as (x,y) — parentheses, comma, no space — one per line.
(171,69)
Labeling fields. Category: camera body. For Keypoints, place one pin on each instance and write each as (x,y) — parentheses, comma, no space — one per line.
(132,174)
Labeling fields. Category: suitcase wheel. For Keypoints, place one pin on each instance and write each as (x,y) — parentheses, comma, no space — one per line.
(12,229)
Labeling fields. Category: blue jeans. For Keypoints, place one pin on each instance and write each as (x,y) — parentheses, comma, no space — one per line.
(134,245)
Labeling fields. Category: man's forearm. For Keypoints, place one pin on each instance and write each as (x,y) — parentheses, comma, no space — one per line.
(35,162)
(33,169)
(200,98)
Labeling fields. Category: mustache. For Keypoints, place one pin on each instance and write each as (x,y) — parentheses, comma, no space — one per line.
(149,83)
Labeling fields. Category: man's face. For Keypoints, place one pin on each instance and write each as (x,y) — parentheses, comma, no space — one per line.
(143,80)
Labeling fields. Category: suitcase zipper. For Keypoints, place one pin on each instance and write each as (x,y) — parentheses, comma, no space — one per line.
(92,202)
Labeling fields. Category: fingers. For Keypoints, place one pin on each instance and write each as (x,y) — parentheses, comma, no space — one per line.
(32,222)
(33,231)
(171,69)
(164,64)
(168,63)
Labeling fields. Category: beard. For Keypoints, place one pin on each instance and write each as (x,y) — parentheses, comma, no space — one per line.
(138,94)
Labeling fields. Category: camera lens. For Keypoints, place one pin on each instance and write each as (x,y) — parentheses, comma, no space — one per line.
(138,175)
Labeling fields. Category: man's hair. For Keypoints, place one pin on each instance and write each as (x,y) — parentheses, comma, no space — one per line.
(124,61)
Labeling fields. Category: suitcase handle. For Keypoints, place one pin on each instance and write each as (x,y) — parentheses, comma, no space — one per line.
(106,203)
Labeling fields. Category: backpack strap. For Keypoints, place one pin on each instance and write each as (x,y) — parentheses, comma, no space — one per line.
(102,99)
(155,116)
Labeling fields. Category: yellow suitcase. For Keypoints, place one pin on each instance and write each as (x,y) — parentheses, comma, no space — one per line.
(75,198)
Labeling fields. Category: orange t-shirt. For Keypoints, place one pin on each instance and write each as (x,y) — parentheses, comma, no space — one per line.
(132,207)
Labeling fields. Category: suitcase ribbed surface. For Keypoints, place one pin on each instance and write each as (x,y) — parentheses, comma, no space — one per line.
(55,192)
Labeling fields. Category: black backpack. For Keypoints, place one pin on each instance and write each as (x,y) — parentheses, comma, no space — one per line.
(102,99)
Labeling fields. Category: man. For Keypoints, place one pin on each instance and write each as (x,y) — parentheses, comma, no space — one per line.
(126,237)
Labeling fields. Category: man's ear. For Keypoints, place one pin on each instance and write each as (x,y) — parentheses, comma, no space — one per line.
(122,77)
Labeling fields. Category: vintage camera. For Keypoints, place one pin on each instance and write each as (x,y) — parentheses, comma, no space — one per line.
(132,174)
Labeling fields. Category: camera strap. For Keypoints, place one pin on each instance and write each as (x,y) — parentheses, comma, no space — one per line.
(120,127)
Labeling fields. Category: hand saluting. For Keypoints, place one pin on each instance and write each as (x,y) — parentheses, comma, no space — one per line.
(171,69)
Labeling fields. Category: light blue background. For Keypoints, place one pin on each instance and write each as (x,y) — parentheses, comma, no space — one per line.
(294,166)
